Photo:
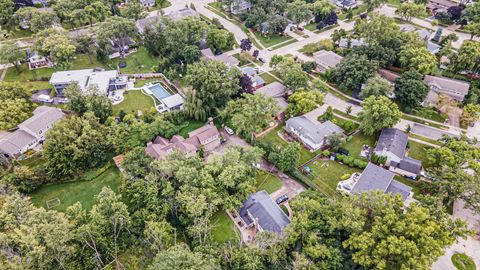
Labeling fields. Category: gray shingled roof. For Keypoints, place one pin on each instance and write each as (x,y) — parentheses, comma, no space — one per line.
(394,140)
(43,116)
(454,88)
(314,131)
(327,59)
(410,165)
(261,207)
(15,141)
(399,188)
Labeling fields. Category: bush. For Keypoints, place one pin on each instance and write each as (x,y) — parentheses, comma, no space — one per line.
(345,176)
(347,125)
(326,153)
(360,163)
(463,262)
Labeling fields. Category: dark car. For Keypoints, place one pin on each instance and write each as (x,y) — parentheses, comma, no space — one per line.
(343,151)
(261,60)
(282,199)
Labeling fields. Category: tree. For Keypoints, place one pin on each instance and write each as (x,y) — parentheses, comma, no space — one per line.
(409,10)
(331,18)
(134,10)
(90,101)
(181,257)
(11,53)
(373,4)
(291,73)
(85,44)
(220,40)
(471,113)
(354,70)
(298,11)
(419,58)
(287,158)
(467,55)
(378,113)
(246,84)
(322,9)
(472,28)
(250,114)
(246,44)
(117,29)
(76,143)
(7,7)
(303,101)
(213,84)
(34,18)
(377,86)
(380,29)
(55,44)
(410,89)
(15,105)
(25,179)
(384,55)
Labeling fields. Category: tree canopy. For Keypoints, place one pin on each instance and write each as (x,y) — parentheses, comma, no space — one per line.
(377,86)
(378,112)
(15,104)
(410,89)
(354,70)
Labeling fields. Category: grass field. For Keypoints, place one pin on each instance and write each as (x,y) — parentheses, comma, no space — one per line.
(268,182)
(326,174)
(271,40)
(283,44)
(83,191)
(419,151)
(138,62)
(268,78)
(355,145)
(223,228)
(134,100)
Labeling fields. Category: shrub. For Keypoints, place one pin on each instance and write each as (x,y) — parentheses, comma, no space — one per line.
(349,161)
(345,176)
(326,153)
(360,163)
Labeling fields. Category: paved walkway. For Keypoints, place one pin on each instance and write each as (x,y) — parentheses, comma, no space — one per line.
(4,73)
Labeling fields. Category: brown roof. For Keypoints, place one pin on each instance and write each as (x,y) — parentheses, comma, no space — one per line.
(433,4)
(388,75)
(204,133)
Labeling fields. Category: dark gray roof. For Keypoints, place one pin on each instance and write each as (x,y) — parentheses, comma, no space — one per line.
(410,165)
(399,188)
(261,207)
(394,140)
(373,178)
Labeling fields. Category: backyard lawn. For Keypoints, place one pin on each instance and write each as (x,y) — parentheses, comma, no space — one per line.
(268,78)
(134,100)
(326,174)
(268,182)
(138,62)
(272,137)
(190,126)
(419,151)
(223,228)
(83,191)
(355,145)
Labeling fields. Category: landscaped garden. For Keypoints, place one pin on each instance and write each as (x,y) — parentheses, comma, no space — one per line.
(134,101)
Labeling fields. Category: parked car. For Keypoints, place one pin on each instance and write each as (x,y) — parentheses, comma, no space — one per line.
(282,199)
(229,131)
(262,60)
(343,151)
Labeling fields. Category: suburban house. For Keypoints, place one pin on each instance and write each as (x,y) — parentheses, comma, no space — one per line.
(392,144)
(36,61)
(312,134)
(206,137)
(375,178)
(144,23)
(251,72)
(346,43)
(30,133)
(277,91)
(228,60)
(345,4)
(455,89)
(180,14)
(424,34)
(240,6)
(326,60)
(439,6)
(104,80)
(261,213)
(147,3)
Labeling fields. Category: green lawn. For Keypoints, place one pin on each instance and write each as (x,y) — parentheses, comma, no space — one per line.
(311,26)
(190,126)
(268,78)
(223,228)
(283,44)
(326,174)
(134,100)
(138,62)
(355,145)
(24,74)
(429,113)
(273,138)
(268,182)
(271,40)
(419,151)
(356,11)
(82,191)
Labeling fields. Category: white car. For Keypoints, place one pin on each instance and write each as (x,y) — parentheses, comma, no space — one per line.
(229,131)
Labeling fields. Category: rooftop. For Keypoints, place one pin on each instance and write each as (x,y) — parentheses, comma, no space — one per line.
(392,140)
(314,131)
(327,59)
(85,78)
(455,88)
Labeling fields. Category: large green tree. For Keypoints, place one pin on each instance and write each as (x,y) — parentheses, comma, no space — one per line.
(116,29)
(303,101)
(10,53)
(134,10)
(468,57)
(378,113)
(57,45)
(419,58)
(220,40)
(298,11)
(291,73)
(409,10)
(15,104)
(90,101)
(354,70)
(410,89)
(7,7)
(376,86)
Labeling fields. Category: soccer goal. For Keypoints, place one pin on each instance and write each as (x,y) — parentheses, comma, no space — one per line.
(53,202)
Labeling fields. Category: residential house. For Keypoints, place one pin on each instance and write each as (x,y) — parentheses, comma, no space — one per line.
(277,91)
(36,61)
(388,75)
(439,6)
(455,89)
(206,137)
(312,134)
(228,60)
(240,6)
(346,43)
(31,132)
(392,144)
(326,60)
(120,47)
(346,4)
(375,178)
(147,3)
(251,72)
(424,34)
(180,14)
(260,212)
(144,23)
(105,81)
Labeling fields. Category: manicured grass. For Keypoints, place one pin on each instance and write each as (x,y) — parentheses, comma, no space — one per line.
(311,48)
(429,113)
(138,62)
(83,191)
(273,138)
(311,26)
(134,100)
(190,126)
(283,44)
(425,139)
(326,174)
(268,182)
(463,262)
(271,40)
(356,11)
(268,78)
(24,74)
(413,119)
(419,151)
(354,146)
(223,228)
(349,116)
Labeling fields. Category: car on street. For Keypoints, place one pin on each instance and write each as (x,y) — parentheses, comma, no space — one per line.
(262,60)
(229,131)
(282,199)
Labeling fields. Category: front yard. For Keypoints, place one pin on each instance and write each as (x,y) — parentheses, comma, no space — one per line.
(269,41)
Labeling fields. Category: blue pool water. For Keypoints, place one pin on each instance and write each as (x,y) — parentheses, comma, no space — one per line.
(158,91)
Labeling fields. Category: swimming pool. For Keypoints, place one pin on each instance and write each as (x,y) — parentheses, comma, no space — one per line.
(158,91)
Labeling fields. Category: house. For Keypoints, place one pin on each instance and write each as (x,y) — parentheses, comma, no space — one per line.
(173,102)
(312,134)
(455,89)
(439,6)
(375,178)
(240,6)
(277,91)
(433,47)
(228,60)
(345,43)
(147,3)
(206,137)
(31,132)
(144,23)
(326,60)
(260,212)
(345,4)
(36,61)
(424,34)
(392,144)
(388,75)
(180,14)
(257,82)
(105,81)
(251,72)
